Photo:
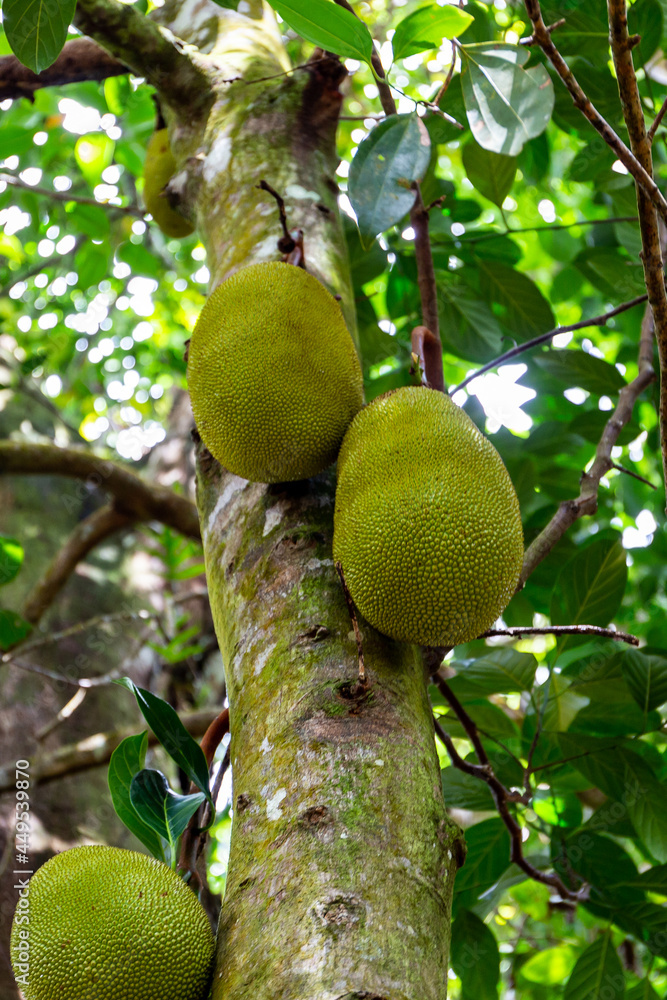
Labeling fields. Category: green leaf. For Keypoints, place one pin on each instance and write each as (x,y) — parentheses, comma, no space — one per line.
(468,328)
(475,957)
(327,25)
(598,974)
(578,368)
(11,558)
(126,761)
(37,29)
(641,991)
(563,704)
(172,734)
(91,264)
(426,27)
(506,105)
(551,966)
(13,629)
(488,855)
(646,676)
(463,791)
(500,671)
(162,809)
(590,587)
(492,174)
(526,311)
(228,4)
(396,152)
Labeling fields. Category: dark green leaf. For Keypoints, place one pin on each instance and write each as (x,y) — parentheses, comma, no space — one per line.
(91,264)
(645,18)
(172,734)
(590,587)
(13,629)
(641,991)
(491,173)
(127,760)
(468,328)
(162,809)
(526,311)
(506,104)
(426,27)
(578,368)
(646,677)
(395,153)
(11,558)
(475,957)
(488,846)
(37,29)
(329,26)
(500,671)
(597,974)
(463,791)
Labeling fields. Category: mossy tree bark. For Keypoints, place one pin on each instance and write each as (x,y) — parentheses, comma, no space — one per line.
(342,856)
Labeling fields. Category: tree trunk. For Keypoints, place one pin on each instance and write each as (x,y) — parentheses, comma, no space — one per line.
(342,856)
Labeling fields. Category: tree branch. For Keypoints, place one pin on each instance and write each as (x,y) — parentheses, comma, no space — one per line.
(602,633)
(150,51)
(86,536)
(586,503)
(544,338)
(426,339)
(640,143)
(542,37)
(80,59)
(386,98)
(134,497)
(501,796)
(92,751)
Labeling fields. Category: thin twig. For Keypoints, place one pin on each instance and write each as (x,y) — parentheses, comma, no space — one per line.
(54,195)
(542,37)
(602,633)
(66,633)
(448,79)
(635,475)
(544,338)
(656,121)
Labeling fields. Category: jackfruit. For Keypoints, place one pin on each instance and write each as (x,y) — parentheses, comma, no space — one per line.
(427,525)
(273,374)
(159,168)
(101,923)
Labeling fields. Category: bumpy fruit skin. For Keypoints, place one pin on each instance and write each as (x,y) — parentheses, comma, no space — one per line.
(273,374)
(110,924)
(159,168)
(427,523)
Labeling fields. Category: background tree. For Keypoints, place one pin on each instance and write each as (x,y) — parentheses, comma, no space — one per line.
(520,222)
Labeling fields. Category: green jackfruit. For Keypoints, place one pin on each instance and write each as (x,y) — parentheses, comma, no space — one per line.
(427,523)
(101,923)
(159,168)
(273,374)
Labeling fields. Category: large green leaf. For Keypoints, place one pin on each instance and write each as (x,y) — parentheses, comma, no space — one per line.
(126,761)
(598,973)
(164,810)
(426,27)
(488,847)
(395,153)
(475,957)
(491,173)
(37,29)
(506,104)
(172,734)
(578,368)
(526,312)
(500,671)
(468,328)
(13,628)
(646,676)
(551,966)
(464,791)
(590,587)
(642,991)
(327,25)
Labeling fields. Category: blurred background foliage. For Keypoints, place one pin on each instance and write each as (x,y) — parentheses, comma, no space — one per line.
(95,308)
